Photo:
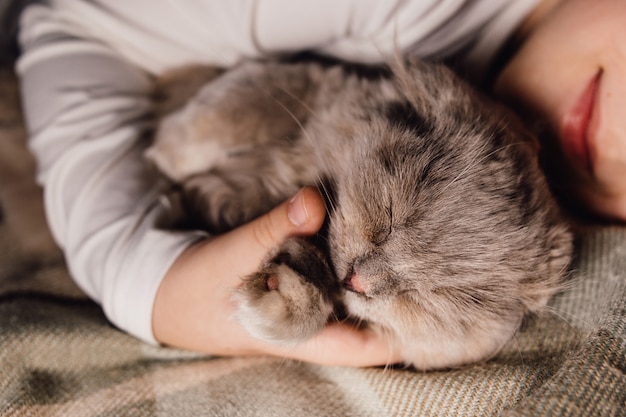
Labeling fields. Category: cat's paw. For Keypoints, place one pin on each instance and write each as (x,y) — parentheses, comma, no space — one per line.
(289,299)
(187,143)
(221,119)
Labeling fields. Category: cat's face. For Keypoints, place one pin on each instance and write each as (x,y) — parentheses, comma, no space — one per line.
(442,227)
(446,234)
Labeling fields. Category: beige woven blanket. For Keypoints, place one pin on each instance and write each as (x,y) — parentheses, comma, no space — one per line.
(60,357)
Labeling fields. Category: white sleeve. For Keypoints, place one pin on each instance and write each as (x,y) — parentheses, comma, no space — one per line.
(86,112)
(160,34)
(157,35)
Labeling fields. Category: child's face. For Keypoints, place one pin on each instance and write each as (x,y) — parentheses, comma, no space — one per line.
(572,71)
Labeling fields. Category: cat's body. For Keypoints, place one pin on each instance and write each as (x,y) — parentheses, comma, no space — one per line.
(442,233)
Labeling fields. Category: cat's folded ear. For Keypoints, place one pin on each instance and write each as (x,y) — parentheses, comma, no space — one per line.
(437,93)
(432,88)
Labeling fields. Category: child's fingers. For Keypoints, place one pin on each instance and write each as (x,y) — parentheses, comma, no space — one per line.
(303,214)
(343,345)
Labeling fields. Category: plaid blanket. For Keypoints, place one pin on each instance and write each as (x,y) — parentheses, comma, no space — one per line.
(60,357)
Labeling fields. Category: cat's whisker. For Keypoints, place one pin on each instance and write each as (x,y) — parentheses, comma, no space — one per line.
(552,310)
(328,200)
(390,348)
(291,114)
(305,133)
(300,101)
(475,162)
(314,114)
(283,362)
(568,318)
(335,318)
(355,322)
(518,349)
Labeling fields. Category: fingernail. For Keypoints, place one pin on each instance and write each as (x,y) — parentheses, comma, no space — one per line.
(296,211)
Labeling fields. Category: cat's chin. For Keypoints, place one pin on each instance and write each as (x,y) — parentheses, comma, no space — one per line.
(427,351)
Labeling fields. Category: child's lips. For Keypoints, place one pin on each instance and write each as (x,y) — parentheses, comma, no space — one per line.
(575,130)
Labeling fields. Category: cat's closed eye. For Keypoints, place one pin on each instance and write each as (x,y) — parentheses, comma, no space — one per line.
(381,228)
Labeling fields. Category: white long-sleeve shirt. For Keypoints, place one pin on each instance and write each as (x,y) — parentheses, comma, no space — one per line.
(85,89)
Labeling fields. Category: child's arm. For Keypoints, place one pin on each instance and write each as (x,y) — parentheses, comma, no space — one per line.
(87,110)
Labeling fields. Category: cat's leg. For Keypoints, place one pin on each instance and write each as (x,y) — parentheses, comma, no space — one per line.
(255,182)
(290,298)
(221,200)
(253,105)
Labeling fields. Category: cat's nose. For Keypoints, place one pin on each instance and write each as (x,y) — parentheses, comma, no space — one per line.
(352,283)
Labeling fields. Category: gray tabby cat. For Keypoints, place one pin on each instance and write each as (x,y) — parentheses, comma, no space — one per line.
(441,234)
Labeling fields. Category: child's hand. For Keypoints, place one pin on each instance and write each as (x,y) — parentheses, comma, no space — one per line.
(193,307)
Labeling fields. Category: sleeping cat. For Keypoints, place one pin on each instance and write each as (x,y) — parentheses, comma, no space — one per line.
(441,234)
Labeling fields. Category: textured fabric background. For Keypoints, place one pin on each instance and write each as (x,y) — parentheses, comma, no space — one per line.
(60,357)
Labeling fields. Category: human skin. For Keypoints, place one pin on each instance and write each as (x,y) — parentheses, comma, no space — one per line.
(571,72)
(193,308)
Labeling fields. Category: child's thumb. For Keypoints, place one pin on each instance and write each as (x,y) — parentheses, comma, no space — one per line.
(302,214)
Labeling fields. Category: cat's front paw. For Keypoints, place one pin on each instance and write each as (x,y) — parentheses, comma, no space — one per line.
(289,299)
